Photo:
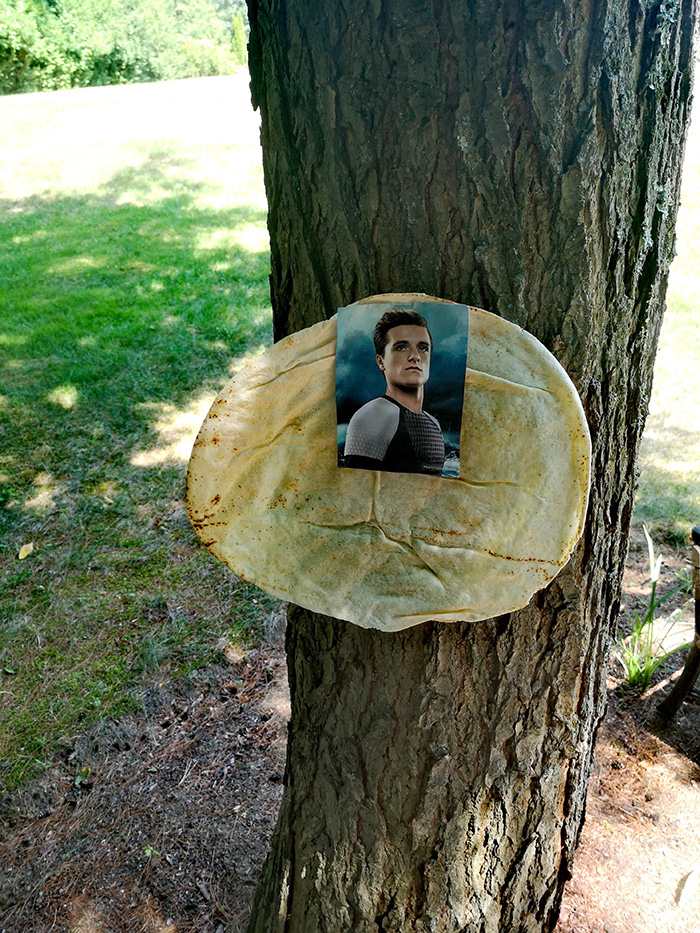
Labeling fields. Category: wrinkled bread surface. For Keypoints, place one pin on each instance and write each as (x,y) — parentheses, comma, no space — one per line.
(390,550)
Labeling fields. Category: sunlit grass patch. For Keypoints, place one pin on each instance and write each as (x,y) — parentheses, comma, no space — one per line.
(141,141)
(66,396)
(177,430)
(668,498)
(127,297)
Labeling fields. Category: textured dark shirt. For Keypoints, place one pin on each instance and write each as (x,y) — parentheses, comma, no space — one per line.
(383,435)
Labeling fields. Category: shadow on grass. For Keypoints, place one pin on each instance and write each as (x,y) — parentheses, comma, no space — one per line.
(108,308)
(113,317)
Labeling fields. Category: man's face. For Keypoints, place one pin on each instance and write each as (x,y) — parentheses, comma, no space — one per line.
(406,360)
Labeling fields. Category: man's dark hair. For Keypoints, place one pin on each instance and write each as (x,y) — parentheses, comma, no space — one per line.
(395,318)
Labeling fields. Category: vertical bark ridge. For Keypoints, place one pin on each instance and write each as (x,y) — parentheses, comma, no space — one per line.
(525,159)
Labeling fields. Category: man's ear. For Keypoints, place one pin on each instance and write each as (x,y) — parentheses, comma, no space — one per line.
(380,362)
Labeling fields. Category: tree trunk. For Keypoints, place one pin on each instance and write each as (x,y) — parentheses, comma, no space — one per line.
(526,158)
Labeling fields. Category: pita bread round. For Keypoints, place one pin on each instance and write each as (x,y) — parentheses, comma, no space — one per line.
(391,550)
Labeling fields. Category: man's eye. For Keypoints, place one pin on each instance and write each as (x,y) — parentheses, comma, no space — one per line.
(423,347)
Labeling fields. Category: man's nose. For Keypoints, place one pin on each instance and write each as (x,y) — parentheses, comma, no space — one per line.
(414,354)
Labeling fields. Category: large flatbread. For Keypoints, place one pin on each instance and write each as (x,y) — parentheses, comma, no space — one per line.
(391,550)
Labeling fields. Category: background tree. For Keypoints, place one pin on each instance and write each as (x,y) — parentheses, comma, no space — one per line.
(46,44)
(229,9)
(239,52)
(20,43)
(524,157)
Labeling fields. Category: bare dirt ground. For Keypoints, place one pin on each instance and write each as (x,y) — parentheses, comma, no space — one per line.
(159,824)
(169,828)
(638,864)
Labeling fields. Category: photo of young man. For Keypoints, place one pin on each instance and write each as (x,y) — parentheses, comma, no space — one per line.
(394,431)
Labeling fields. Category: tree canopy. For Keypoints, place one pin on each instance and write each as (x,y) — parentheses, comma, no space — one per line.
(48,44)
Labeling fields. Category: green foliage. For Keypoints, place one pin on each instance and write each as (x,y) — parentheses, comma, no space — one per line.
(22,47)
(239,50)
(229,9)
(640,653)
(75,43)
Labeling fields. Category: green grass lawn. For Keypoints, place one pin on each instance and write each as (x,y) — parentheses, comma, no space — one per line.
(133,281)
(668,498)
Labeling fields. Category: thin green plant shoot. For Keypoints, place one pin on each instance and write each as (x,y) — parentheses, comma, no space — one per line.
(641,653)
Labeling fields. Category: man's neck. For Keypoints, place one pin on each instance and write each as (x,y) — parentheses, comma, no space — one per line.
(411,400)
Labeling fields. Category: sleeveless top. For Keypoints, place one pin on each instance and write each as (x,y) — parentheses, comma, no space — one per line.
(384,435)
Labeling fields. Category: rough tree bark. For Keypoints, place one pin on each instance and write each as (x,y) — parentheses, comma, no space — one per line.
(524,157)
